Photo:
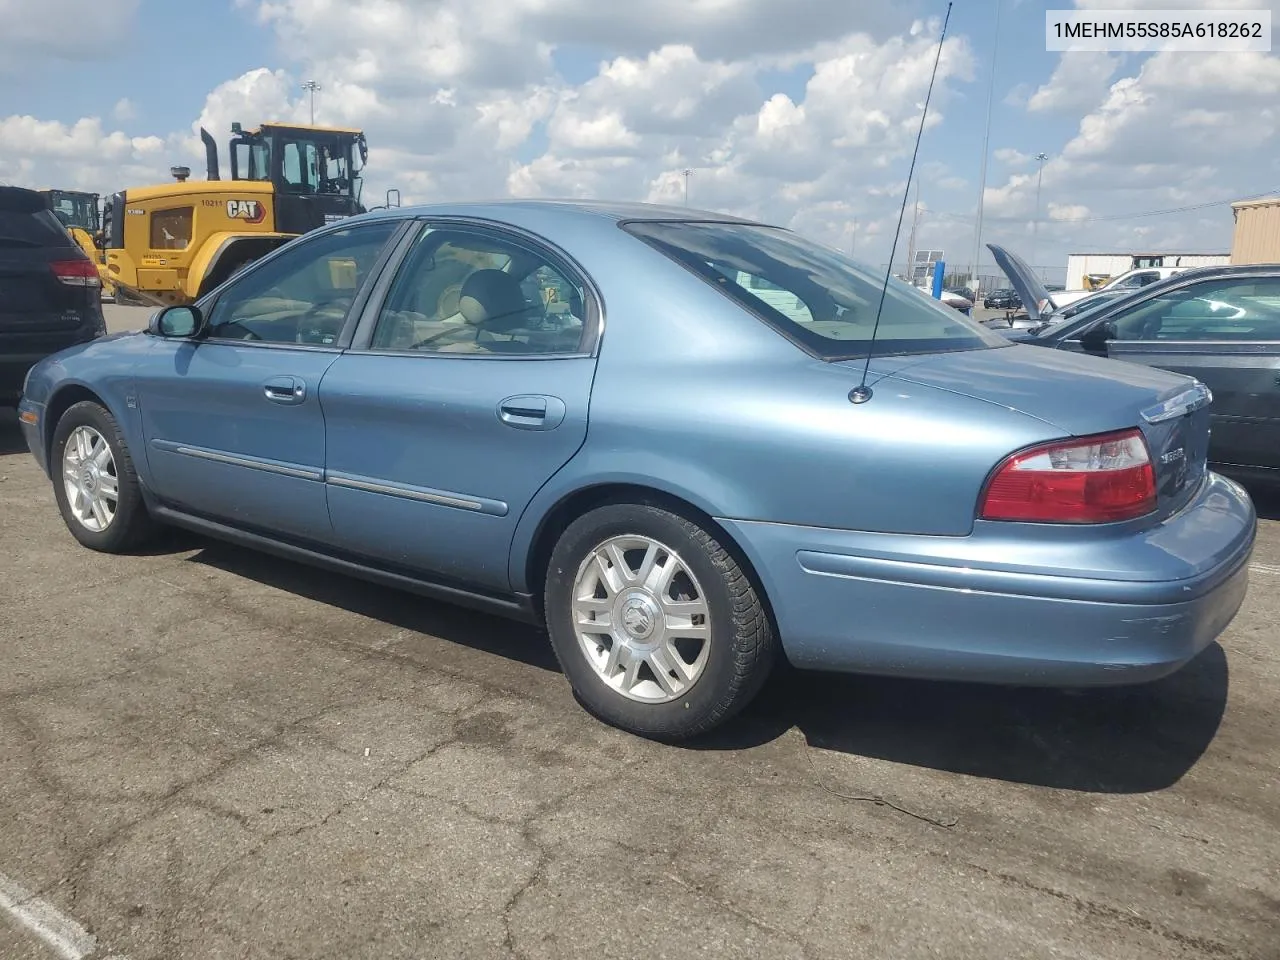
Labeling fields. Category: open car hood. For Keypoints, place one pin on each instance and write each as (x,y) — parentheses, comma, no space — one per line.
(1036,300)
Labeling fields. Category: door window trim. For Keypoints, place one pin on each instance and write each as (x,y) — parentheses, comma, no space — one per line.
(592,302)
(390,248)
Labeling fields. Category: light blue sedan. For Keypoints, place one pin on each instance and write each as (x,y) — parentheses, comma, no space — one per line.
(598,417)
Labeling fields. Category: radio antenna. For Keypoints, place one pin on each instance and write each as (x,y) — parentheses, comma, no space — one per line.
(862,393)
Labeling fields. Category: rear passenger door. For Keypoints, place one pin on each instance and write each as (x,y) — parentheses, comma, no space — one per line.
(464,391)
(1225,332)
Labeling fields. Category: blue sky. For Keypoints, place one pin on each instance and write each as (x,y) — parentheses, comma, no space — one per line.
(806,120)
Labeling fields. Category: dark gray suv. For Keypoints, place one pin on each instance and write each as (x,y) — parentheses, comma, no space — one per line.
(50,293)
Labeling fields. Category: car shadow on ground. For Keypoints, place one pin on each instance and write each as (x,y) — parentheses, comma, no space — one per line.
(1108,740)
(1118,740)
(489,634)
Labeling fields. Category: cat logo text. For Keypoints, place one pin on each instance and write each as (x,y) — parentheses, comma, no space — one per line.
(250,211)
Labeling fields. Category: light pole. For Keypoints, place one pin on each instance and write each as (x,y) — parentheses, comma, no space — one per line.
(313,87)
(986,140)
(687,174)
(1035,224)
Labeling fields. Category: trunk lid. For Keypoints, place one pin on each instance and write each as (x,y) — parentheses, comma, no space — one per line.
(1082,395)
(1036,299)
(33,299)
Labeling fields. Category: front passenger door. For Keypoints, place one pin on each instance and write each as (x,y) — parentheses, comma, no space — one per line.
(232,420)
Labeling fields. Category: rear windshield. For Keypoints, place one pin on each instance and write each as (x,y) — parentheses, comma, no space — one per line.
(32,230)
(812,295)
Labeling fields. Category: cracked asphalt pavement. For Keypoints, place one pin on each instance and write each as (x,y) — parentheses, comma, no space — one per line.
(208,753)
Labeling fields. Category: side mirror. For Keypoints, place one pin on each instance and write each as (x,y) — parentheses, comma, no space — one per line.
(1096,337)
(181,322)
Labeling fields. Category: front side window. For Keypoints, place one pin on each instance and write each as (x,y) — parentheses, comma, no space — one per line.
(303,295)
(252,160)
(1246,308)
(475,292)
(812,295)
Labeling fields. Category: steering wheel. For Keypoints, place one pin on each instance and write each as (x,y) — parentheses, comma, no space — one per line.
(311,323)
(245,332)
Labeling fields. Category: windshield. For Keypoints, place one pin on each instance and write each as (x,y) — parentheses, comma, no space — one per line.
(317,166)
(76,210)
(813,295)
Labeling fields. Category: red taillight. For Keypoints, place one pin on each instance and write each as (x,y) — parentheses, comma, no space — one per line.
(1098,479)
(76,273)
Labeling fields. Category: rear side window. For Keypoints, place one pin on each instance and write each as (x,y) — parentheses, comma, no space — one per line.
(32,230)
(812,295)
(171,229)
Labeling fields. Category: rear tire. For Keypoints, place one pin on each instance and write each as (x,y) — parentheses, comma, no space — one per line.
(95,483)
(656,626)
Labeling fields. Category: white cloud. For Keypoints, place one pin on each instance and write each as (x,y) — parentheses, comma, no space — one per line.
(1077,82)
(124,109)
(1011,157)
(1171,130)
(39,30)
(81,155)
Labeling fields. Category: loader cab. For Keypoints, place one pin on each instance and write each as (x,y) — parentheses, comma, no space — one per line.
(74,208)
(314,171)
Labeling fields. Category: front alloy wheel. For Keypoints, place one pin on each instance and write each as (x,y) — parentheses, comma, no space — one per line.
(90,479)
(94,480)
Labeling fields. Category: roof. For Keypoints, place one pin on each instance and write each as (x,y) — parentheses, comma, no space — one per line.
(1256,202)
(607,209)
(351,131)
(1152,253)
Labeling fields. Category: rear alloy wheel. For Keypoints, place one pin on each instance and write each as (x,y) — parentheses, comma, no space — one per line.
(656,626)
(94,481)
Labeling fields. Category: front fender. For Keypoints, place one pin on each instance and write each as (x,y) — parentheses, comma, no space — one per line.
(103,369)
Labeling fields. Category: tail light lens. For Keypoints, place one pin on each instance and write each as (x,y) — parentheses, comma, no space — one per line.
(1099,479)
(76,273)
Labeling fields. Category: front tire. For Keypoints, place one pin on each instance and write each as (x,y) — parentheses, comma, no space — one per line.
(94,481)
(657,627)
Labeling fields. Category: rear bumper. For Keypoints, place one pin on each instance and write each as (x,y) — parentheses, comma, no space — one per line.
(1010,604)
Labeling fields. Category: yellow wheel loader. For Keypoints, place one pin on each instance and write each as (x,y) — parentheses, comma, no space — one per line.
(173,242)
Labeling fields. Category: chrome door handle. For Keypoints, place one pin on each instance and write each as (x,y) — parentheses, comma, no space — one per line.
(532,412)
(285,390)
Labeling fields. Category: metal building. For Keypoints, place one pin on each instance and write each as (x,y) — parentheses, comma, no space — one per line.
(1257,232)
